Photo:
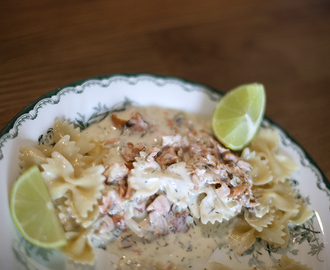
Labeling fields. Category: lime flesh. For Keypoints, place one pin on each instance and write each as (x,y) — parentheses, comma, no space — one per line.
(238,115)
(33,212)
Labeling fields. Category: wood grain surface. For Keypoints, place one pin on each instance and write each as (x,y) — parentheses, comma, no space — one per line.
(45,44)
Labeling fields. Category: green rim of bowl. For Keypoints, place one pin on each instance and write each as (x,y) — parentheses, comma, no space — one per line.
(5,134)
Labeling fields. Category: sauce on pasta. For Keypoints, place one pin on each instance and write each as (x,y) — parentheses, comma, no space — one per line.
(153,183)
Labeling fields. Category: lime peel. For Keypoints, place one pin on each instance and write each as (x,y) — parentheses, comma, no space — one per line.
(238,115)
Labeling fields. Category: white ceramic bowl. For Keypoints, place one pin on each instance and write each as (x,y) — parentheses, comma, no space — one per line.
(91,97)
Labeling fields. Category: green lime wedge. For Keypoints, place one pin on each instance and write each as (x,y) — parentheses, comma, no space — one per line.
(33,212)
(238,115)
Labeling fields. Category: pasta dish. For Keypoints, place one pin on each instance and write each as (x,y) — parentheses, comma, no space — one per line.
(147,178)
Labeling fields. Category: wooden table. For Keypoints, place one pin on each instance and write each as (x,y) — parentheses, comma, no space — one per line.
(283,44)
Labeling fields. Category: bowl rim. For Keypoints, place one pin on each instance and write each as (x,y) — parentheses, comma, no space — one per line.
(6,130)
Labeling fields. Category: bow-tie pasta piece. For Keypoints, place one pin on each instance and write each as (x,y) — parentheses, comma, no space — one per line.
(281,196)
(242,237)
(302,216)
(260,173)
(259,222)
(62,128)
(75,214)
(278,232)
(84,191)
(38,154)
(213,208)
(266,144)
(79,247)
(29,156)
(70,151)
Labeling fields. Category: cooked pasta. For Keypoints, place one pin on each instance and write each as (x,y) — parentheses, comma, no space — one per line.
(80,247)
(285,264)
(266,145)
(260,169)
(84,191)
(277,200)
(63,128)
(150,172)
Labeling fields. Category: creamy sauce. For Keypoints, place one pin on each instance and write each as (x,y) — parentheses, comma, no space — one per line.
(190,250)
(106,130)
(165,192)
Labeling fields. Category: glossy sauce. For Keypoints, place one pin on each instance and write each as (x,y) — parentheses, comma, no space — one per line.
(191,250)
(158,120)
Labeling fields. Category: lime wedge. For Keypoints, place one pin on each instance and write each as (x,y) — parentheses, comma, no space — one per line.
(33,211)
(238,115)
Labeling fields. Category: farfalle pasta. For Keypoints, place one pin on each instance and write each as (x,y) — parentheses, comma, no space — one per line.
(276,233)
(260,169)
(63,128)
(29,156)
(84,191)
(278,203)
(260,222)
(242,236)
(151,172)
(75,186)
(80,247)
(285,263)
(212,208)
(280,196)
(266,145)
